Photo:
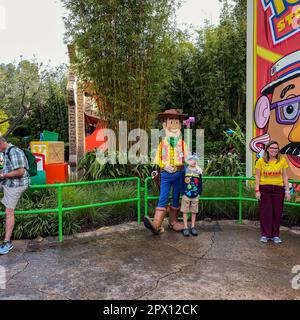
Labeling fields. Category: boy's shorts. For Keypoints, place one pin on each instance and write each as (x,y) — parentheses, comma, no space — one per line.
(189,204)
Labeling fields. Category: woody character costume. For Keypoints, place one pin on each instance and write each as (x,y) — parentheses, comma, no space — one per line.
(170,156)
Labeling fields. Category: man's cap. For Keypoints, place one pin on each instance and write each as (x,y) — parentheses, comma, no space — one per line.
(171,114)
(287,68)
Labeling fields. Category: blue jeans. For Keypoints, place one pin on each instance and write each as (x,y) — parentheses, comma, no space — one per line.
(168,180)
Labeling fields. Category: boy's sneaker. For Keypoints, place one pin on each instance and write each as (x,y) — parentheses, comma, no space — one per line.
(263,239)
(194,232)
(6,247)
(277,240)
(186,232)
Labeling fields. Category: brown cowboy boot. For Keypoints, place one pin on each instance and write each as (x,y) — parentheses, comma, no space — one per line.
(155,226)
(173,220)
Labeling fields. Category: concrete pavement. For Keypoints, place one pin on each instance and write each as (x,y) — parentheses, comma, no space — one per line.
(226,261)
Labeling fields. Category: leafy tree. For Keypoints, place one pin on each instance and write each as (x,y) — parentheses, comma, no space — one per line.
(210,77)
(50,112)
(19,85)
(33,98)
(125,49)
(4,124)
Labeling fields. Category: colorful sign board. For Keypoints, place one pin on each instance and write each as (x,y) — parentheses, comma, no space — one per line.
(273,102)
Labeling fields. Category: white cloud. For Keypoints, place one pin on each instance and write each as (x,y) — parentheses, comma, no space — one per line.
(35,27)
(195,12)
(2,17)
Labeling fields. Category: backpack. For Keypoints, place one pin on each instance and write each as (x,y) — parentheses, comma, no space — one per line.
(32,170)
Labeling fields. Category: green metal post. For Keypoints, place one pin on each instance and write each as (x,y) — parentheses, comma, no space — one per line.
(139,200)
(240,201)
(146,197)
(60,215)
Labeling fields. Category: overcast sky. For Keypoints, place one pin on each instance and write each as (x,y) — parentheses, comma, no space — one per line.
(35,27)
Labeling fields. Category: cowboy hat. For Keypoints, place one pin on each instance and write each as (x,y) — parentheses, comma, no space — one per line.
(171,114)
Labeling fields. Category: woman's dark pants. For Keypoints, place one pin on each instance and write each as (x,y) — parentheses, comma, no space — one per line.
(271,207)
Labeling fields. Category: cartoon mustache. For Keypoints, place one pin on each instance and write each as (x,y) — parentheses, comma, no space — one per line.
(291,149)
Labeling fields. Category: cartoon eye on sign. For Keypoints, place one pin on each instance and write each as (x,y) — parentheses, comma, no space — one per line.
(277,111)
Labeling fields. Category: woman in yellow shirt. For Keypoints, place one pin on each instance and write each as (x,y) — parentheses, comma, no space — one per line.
(271,188)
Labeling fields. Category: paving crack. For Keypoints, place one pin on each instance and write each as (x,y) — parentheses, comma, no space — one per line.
(196,260)
(51,294)
(212,242)
(203,257)
(245,263)
(160,279)
(212,239)
(19,272)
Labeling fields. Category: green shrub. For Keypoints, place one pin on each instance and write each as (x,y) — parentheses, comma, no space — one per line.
(36,199)
(94,170)
(104,192)
(71,225)
(214,147)
(238,139)
(225,165)
(32,226)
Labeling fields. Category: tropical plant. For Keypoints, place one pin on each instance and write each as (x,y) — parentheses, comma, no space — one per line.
(214,147)
(225,165)
(95,169)
(238,138)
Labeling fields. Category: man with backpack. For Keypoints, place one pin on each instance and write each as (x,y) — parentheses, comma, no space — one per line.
(14,180)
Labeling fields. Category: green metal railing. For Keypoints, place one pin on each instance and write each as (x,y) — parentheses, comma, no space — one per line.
(60,209)
(240,198)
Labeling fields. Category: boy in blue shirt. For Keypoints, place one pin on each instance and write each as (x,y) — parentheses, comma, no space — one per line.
(192,188)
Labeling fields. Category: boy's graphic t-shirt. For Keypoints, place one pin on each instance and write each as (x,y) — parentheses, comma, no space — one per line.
(192,182)
(271,172)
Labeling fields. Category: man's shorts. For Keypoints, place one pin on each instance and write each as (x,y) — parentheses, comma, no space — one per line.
(189,204)
(11,196)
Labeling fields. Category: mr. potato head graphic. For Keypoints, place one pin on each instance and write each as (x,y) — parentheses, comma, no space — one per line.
(277,112)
